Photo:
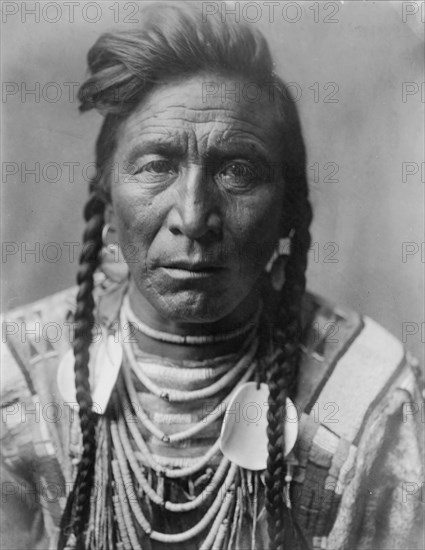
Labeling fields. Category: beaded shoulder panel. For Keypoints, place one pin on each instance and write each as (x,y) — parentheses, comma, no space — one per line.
(349,364)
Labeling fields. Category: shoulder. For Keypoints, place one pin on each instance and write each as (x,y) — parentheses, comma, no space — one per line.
(33,334)
(356,382)
(37,335)
(34,337)
(44,329)
(41,322)
(40,432)
(350,364)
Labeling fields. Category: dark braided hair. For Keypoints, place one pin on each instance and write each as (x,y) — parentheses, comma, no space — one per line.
(77,509)
(84,323)
(284,358)
(177,40)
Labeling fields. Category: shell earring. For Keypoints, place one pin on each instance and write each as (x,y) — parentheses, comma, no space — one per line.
(110,246)
(113,264)
(277,263)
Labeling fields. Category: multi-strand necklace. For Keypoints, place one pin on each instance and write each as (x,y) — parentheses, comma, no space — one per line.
(197,340)
(137,482)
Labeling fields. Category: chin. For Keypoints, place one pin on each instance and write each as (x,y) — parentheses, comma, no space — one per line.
(194,307)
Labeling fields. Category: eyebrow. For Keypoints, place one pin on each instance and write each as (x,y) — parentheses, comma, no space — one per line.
(170,146)
(241,149)
(155,147)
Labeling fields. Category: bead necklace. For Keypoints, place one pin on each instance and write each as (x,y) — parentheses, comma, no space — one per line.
(219,519)
(172,395)
(179,396)
(161,471)
(126,478)
(171,474)
(124,450)
(130,505)
(125,464)
(192,340)
(159,367)
(130,516)
(218,411)
(203,423)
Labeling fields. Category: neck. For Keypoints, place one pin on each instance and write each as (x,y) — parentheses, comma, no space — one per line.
(149,315)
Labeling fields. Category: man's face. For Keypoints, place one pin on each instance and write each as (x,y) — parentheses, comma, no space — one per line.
(199,197)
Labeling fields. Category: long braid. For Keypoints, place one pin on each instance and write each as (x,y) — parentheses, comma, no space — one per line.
(282,378)
(76,513)
(282,374)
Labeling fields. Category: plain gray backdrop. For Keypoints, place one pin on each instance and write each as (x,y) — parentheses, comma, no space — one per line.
(369,51)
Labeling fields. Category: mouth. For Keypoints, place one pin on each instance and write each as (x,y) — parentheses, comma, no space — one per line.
(192,270)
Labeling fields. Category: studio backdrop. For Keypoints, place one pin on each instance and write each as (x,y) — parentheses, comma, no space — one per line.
(356,72)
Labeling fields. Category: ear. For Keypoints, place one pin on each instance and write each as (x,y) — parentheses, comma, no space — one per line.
(286,224)
(109,214)
(286,227)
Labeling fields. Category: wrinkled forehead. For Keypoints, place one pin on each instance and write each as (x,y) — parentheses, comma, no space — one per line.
(228,106)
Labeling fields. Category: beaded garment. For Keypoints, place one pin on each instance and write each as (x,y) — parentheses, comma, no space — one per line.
(358,442)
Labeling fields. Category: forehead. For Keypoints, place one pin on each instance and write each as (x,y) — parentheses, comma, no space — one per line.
(205,105)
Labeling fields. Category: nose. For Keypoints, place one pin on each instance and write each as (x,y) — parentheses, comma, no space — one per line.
(195,212)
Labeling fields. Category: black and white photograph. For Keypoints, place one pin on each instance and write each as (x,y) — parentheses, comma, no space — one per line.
(212,285)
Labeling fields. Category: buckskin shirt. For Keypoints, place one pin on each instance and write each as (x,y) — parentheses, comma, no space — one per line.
(358,462)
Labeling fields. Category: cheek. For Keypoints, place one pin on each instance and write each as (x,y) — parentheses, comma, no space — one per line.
(135,224)
(258,225)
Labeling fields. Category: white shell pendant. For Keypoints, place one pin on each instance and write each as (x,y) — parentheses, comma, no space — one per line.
(66,378)
(243,438)
(104,367)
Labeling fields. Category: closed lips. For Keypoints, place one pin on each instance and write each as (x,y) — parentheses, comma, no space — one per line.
(193,266)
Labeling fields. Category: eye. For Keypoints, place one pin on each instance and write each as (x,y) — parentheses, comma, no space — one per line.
(157,167)
(238,173)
